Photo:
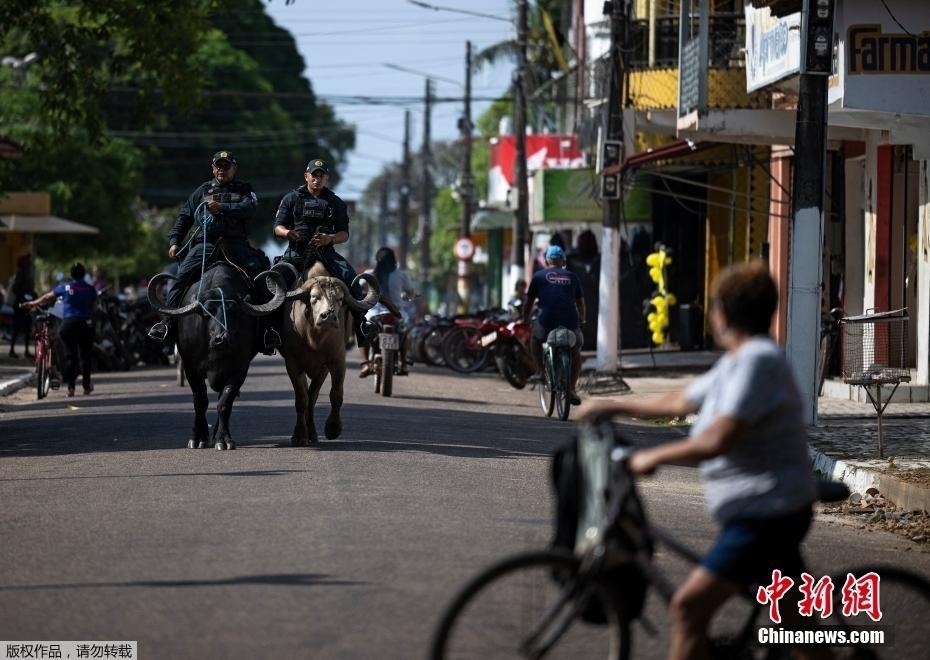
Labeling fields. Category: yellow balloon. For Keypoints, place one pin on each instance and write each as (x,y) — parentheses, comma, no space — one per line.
(653,259)
(658,338)
(668,260)
(651,317)
(655,274)
(659,303)
(671,299)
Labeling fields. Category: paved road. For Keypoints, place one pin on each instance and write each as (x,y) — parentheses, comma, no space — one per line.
(113,530)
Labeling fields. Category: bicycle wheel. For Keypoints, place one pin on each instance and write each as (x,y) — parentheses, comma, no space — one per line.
(904,600)
(529,606)
(43,373)
(563,384)
(387,371)
(546,395)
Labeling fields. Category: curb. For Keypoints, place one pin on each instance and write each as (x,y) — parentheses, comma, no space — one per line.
(902,494)
(7,387)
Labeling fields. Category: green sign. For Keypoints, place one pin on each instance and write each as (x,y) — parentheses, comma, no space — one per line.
(566,196)
(572,196)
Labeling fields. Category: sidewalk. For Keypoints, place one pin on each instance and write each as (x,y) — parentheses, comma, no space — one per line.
(14,373)
(843,445)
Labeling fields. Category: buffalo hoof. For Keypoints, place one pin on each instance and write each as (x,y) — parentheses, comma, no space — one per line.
(192,444)
(298,442)
(333,428)
(220,446)
(202,444)
(230,444)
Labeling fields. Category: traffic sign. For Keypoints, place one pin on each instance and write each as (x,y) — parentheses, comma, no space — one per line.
(464,248)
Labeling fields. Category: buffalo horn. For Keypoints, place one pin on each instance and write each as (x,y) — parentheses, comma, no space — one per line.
(159,305)
(275,284)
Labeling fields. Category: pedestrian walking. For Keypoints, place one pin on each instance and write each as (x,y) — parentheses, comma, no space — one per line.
(21,289)
(77,328)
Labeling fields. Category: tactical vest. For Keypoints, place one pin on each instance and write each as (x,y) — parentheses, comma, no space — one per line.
(223,225)
(316,214)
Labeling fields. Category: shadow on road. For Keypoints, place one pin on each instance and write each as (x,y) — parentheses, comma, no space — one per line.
(286,579)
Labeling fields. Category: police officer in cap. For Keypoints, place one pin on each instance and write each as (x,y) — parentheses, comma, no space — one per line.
(222,207)
(313,219)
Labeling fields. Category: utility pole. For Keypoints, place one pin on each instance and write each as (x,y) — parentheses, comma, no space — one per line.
(403,210)
(427,196)
(608,320)
(467,183)
(810,155)
(521,214)
(383,213)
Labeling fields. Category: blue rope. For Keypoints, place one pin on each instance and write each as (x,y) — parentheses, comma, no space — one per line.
(204,220)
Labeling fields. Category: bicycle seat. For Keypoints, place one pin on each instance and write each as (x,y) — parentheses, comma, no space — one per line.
(832,491)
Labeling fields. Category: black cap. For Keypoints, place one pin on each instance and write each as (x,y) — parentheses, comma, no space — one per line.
(317,164)
(225,155)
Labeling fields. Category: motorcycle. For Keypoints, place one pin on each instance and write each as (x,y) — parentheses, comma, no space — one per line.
(388,353)
(510,343)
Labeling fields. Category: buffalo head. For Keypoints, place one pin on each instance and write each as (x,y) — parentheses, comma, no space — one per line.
(324,297)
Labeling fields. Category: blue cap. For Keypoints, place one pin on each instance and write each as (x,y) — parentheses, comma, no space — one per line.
(555,252)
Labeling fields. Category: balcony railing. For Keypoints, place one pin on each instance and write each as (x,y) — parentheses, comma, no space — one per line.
(727,33)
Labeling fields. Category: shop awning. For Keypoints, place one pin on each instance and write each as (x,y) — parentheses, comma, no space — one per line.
(670,150)
(43,224)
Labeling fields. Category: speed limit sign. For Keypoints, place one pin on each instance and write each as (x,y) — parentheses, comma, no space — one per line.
(464,248)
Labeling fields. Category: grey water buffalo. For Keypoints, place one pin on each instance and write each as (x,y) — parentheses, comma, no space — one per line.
(217,339)
(316,327)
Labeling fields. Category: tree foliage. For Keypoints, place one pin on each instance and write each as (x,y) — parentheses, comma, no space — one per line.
(129,99)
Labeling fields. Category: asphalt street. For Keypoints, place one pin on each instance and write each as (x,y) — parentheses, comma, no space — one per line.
(113,530)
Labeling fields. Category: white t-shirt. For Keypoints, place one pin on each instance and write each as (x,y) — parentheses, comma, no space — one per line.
(767,472)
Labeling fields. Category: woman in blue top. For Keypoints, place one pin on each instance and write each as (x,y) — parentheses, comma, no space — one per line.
(77,328)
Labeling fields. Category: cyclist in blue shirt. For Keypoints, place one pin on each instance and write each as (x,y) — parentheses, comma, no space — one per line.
(561,303)
(77,326)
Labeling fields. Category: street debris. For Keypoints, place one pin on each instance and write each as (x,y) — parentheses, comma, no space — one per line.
(870,510)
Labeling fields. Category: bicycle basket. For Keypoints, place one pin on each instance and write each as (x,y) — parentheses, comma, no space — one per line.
(561,337)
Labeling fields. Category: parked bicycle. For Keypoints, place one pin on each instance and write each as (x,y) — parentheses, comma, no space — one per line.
(44,335)
(580,602)
(555,390)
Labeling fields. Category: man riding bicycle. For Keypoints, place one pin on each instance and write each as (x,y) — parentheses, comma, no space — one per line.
(558,293)
(752,446)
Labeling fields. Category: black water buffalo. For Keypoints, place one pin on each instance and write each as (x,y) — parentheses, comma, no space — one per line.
(217,339)
(317,326)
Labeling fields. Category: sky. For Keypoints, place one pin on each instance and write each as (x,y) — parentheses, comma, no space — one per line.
(347,44)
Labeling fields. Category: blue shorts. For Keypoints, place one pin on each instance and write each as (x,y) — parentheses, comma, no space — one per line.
(748,550)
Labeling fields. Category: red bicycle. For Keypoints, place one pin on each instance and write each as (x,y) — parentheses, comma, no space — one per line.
(46,377)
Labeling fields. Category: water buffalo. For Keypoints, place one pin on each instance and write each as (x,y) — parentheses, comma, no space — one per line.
(217,339)
(317,326)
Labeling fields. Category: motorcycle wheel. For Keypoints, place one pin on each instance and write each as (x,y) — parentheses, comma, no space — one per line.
(387,372)
(432,347)
(462,351)
(510,369)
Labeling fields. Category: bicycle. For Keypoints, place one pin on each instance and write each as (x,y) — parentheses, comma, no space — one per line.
(581,602)
(46,376)
(555,389)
